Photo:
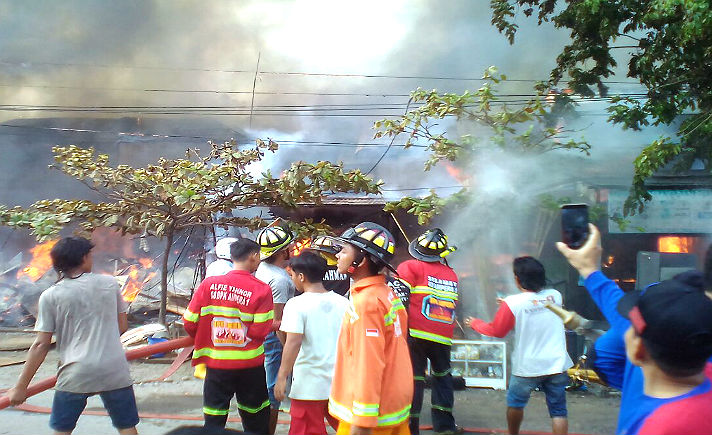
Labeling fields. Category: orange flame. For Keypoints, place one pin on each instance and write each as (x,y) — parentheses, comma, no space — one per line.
(457,174)
(137,278)
(674,244)
(299,246)
(41,261)
(147,263)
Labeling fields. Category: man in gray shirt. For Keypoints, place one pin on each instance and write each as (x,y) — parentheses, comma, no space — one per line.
(88,315)
(274,252)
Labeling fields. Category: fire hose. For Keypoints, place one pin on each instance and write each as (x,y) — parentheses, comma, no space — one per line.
(140,352)
(144,351)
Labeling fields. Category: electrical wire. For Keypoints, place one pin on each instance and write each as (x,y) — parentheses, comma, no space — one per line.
(281,73)
(219,91)
(172,136)
(393,138)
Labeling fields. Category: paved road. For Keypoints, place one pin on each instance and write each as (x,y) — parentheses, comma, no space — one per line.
(182,395)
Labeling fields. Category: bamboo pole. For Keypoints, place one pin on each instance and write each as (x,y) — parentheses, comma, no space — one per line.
(400,228)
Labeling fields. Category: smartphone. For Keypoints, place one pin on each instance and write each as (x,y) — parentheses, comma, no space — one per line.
(574,225)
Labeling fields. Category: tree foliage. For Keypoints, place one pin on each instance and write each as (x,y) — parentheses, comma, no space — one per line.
(531,127)
(672,57)
(174,194)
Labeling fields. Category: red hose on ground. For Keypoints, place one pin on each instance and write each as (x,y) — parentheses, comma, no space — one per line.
(140,352)
(149,415)
(178,343)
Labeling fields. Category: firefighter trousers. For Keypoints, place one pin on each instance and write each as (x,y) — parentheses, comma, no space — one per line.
(442,396)
(249,388)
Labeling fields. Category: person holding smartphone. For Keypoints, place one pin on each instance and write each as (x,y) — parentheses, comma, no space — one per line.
(656,354)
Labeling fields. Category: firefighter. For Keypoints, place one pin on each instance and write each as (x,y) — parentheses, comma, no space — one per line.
(221,266)
(333,280)
(229,316)
(431,314)
(274,244)
(372,388)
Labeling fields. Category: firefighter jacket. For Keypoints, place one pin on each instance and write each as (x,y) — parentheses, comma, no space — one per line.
(229,317)
(433,298)
(373,377)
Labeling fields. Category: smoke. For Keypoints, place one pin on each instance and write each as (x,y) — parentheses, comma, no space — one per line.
(505,217)
(87,54)
(162,55)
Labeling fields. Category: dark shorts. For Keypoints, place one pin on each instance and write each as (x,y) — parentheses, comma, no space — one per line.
(67,407)
(554,386)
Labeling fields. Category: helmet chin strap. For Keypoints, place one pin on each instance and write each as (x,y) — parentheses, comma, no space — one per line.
(359,258)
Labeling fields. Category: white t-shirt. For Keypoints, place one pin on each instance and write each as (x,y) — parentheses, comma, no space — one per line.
(539,336)
(318,316)
(218,267)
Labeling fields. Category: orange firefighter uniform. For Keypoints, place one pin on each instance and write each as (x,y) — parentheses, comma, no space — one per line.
(373,376)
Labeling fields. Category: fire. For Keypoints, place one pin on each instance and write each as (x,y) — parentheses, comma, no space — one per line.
(299,246)
(41,261)
(457,174)
(674,244)
(147,263)
(137,278)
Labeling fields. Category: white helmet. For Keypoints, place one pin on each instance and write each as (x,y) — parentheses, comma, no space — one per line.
(222,247)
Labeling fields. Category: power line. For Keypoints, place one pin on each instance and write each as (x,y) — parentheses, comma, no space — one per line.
(172,136)
(205,91)
(319,94)
(278,110)
(283,113)
(282,73)
(393,138)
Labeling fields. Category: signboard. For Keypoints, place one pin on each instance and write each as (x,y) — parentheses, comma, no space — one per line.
(670,211)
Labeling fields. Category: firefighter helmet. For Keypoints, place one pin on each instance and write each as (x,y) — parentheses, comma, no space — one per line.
(273,240)
(222,248)
(431,246)
(326,247)
(373,239)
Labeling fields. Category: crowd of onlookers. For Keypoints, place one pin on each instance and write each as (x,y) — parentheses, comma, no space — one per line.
(350,339)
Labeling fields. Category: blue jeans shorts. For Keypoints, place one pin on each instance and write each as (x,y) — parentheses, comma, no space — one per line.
(554,386)
(273,359)
(67,407)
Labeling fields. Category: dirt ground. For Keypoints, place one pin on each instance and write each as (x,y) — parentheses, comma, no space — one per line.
(181,397)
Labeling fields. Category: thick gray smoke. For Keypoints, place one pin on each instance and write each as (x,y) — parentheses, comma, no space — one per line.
(505,217)
(162,55)
(89,54)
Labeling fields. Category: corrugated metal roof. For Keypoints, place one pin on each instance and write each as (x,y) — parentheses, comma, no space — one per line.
(351,200)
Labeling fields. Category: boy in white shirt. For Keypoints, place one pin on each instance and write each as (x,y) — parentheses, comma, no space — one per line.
(312,322)
(539,358)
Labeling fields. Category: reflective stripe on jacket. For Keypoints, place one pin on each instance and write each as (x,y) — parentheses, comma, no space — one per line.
(433,299)
(373,377)
(229,317)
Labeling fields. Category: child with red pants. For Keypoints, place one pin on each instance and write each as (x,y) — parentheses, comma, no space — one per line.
(312,322)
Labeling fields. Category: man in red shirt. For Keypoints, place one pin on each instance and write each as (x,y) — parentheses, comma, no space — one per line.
(229,316)
(431,315)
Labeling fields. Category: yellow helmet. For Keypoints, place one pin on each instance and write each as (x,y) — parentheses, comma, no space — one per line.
(326,247)
(431,246)
(273,240)
(373,239)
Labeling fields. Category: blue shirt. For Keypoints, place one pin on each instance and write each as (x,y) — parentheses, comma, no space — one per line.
(611,361)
